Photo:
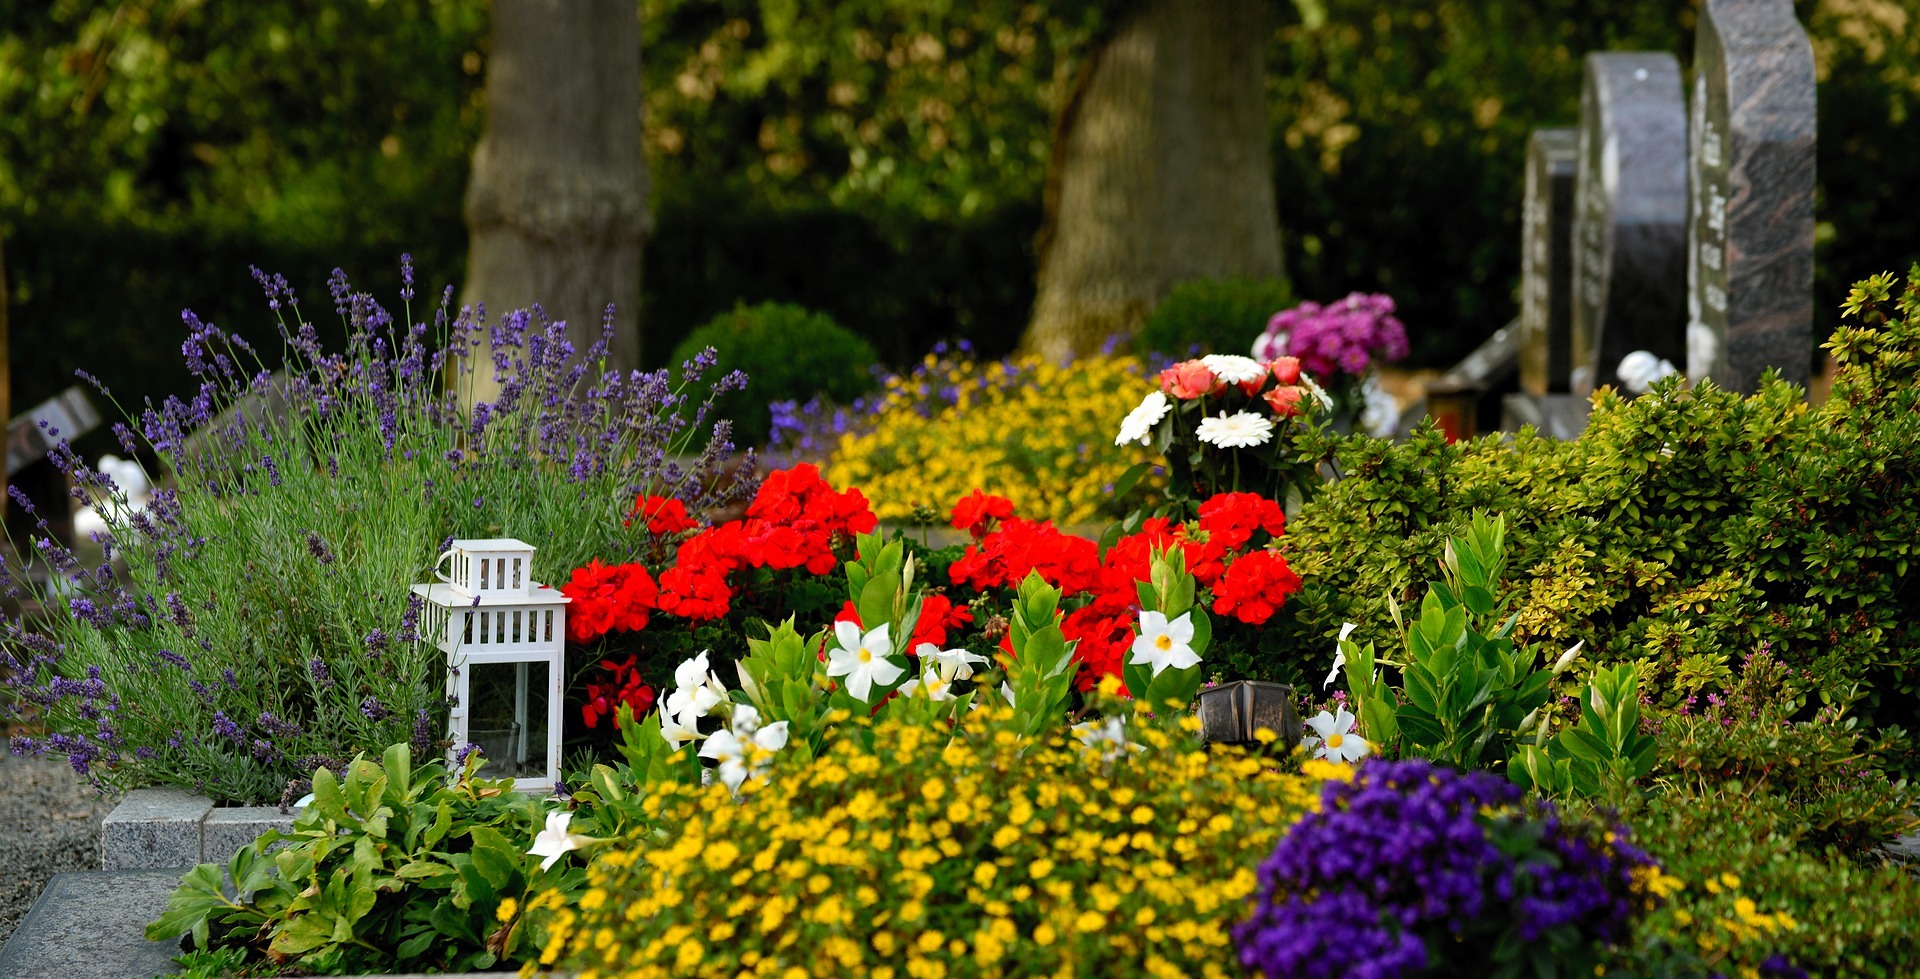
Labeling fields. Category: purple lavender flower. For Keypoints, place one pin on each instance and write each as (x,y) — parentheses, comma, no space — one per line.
(422,740)
(374,710)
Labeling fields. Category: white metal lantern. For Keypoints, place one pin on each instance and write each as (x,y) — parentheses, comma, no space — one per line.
(505,638)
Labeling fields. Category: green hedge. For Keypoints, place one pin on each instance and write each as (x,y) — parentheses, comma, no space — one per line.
(1685,528)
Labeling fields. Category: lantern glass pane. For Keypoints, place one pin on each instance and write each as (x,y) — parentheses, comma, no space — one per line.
(508,718)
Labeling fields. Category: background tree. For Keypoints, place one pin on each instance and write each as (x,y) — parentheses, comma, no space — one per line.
(556,203)
(1160,174)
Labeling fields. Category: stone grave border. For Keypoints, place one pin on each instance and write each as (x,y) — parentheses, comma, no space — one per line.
(168,829)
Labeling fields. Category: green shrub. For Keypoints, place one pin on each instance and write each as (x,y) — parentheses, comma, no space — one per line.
(1754,889)
(788,354)
(1209,316)
(1683,529)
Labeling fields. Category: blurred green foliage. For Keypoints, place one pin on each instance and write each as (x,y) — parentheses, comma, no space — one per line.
(788,353)
(1212,316)
(882,161)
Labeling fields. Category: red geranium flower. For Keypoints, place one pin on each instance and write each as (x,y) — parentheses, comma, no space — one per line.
(607,599)
(1254,587)
(977,513)
(663,515)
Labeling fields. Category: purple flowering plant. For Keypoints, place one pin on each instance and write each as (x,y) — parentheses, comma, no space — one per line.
(251,621)
(1338,343)
(1411,869)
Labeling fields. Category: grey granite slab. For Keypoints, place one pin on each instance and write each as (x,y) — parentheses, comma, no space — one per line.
(153,828)
(1546,261)
(1630,216)
(91,924)
(1750,254)
(224,831)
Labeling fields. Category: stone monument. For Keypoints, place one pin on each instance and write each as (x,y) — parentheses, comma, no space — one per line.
(1750,260)
(1546,262)
(1630,215)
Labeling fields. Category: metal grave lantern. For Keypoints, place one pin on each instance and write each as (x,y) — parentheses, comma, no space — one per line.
(1235,713)
(505,639)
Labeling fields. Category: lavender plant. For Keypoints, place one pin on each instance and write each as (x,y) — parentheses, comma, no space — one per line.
(1414,870)
(252,621)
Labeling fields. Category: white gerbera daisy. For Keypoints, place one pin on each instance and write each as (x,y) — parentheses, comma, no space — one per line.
(1240,430)
(1138,426)
(1234,369)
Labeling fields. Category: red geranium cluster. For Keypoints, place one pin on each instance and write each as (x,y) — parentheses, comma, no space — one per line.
(1247,582)
(623,686)
(662,515)
(608,598)
(794,522)
(1005,555)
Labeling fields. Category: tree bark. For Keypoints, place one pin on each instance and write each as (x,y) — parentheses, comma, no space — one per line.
(1161,172)
(556,205)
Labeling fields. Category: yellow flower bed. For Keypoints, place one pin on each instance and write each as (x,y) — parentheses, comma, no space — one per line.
(1035,432)
(931,854)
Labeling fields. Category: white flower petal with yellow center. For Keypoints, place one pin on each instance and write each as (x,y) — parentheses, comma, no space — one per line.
(1138,425)
(862,659)
(1234,369)
(1165,645)
(1337,740)
(1240,430)
(554,841)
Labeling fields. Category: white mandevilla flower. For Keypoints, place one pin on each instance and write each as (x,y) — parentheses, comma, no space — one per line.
(1138,426)
(1339,655)
(677,730)
(862,659)
(554,841)
(743,749)
(1337,742)
(1162,644)
(1110,735)
(1240,430)
(697,691)
(1234,369)
(952,664)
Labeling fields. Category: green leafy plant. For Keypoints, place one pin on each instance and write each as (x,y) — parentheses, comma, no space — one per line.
(1211,316)
(390,868)
(789,353)
(1169,593)
(1601,756)
(1040,672)
(1466,690)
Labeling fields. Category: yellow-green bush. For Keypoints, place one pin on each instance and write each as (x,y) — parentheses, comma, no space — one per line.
(909,851)
(1684,529)
(1037,433)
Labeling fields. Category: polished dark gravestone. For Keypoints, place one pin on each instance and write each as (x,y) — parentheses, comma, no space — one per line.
(1750,264)
(1546,262)
(1630,215)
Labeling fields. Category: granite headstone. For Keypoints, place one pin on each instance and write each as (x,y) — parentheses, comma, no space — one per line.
(1630,215)
(1750,260)
(1546,262)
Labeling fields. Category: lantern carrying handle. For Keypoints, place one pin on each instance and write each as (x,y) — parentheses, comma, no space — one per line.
(442,575)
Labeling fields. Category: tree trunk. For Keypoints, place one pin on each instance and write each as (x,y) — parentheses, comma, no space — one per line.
(556,206)
(1161,172)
